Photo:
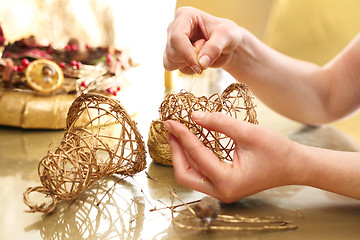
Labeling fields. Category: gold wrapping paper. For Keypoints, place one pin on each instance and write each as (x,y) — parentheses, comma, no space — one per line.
(27,110)
(30,110)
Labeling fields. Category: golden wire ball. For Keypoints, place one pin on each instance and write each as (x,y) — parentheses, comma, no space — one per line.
(236,101)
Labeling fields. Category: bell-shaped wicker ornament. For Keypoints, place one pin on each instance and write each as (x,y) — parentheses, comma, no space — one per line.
(106,143)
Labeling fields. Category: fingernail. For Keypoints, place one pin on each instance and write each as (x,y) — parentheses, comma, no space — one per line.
(169,137)
(196,69)
(197,115)
(204,61)
(167,125)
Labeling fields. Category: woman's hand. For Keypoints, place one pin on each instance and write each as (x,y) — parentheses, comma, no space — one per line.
(262,159)
(197,40)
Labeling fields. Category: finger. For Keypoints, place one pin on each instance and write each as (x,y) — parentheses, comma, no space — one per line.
(182,167)
(177,150)
(221,41)
(178,157)
(194,150)
(209,53)
(172,61)
(180,35)
(199,44)
(235,129)
(186,175)
(187,70)
(180,42)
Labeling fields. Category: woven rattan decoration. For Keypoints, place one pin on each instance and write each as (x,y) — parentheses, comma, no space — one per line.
(107,143)
(235,101)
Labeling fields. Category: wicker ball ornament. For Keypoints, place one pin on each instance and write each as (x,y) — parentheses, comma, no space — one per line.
(235,101)
(108,142)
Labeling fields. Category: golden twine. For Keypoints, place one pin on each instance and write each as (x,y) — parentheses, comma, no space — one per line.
(206,215)
(235,101)
(90,152)
(188,219)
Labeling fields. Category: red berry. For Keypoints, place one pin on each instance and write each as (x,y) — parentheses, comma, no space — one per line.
(25,62)
(78,65)
(109,58)
(88,46)
(15,68)
(2,40)
(20,68)
(68,48)
(62,64)
(84,84)
(73,63)
(112,91)
(118,88)
(74,47)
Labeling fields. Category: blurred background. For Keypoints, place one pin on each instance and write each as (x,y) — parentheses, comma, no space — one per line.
(138,26)
(312,30)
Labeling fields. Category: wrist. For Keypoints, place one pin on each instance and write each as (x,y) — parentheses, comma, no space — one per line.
(297,172)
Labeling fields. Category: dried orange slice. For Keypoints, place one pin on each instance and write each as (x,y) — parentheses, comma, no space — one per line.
(44,76)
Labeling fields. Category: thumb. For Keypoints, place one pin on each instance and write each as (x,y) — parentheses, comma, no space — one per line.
(221,41)
(211,50)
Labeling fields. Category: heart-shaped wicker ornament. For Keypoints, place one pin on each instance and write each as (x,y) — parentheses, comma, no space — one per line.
(108,142)
(236,101)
